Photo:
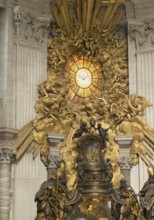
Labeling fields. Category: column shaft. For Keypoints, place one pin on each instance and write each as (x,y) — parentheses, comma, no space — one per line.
(6,159)
(5,185)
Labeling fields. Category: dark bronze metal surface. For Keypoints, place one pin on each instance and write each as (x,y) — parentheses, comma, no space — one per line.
(94,197)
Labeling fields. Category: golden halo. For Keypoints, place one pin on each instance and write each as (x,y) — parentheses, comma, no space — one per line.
(85,75)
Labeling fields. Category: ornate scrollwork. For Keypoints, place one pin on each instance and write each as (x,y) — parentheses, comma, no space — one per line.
(125,163)
(50,199)
(143,34)
(28,28)
(89,166)
(116,110)
(57,200)
(94,189)
(6,155)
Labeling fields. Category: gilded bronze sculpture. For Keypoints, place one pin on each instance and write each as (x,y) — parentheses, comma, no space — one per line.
(93,196)
(94,186)
(147,196)
(78,47)
(88,78)
(50,199)
(127,205)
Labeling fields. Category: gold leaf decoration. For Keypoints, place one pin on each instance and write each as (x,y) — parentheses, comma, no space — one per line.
(84,36)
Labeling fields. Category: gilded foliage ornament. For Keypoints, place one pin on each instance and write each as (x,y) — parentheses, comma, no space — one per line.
(80,30)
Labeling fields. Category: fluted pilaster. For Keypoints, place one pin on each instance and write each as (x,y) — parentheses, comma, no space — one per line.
(31,69)
(141,33)
(6,160)
(31,62)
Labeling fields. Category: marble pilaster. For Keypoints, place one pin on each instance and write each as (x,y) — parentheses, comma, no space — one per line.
(30,29)
(141,33)
(124,155)
(30,45)
(31,61)
(54,155)
(7,157)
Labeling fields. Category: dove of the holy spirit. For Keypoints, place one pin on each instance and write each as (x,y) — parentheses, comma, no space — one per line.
(83,78)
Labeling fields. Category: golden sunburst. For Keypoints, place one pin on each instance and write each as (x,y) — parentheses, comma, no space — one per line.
(85,75)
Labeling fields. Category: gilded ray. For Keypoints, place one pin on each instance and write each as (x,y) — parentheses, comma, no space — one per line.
(86,14)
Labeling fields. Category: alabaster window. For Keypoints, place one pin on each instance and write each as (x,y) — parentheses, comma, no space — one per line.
(85,75)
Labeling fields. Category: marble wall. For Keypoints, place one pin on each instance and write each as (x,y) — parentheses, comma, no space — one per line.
(30,70)
(2,24)
(28,176)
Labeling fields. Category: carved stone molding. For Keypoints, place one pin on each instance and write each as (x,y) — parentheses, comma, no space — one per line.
(54,154)
(53,161)
(125,163)
(124,142)
(30,29)
(6,156)
(7,134)
(143,33)
(6,141)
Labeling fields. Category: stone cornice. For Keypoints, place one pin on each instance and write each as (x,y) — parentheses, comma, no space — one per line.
(124,141)
(142,3)
(7,134)
(55,138)
(143,33)
(29,28)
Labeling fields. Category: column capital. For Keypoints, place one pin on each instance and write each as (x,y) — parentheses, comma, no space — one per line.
(125,163)
(6,156)
(55,138)
(6,141)
(29,28)
(124,142)
(142,32)
(54,154)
